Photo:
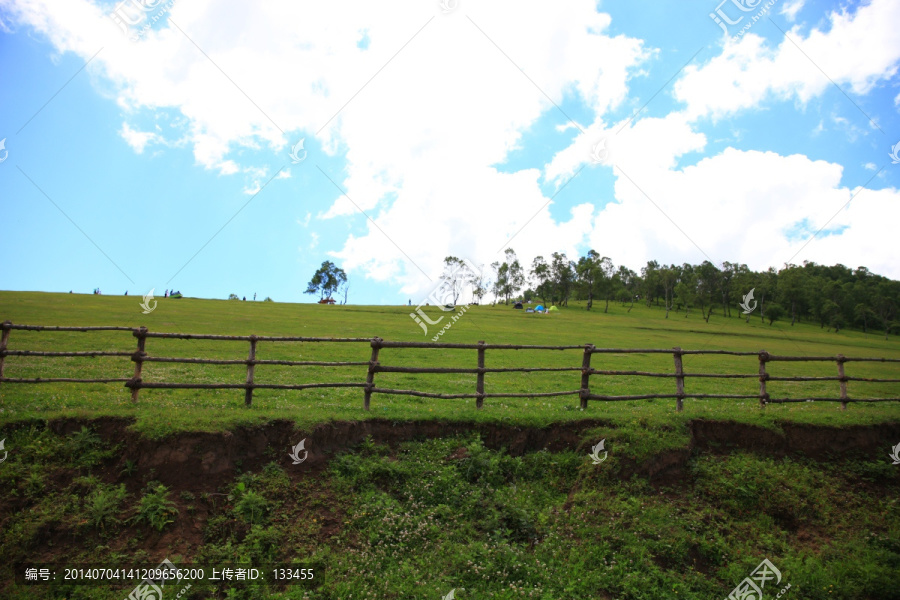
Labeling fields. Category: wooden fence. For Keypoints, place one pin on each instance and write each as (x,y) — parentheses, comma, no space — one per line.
(141,356)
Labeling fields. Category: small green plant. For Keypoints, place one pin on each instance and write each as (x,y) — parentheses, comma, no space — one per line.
(129,469)
(252,507)
(187,496)
(103,505)
(84,440)
(155,509)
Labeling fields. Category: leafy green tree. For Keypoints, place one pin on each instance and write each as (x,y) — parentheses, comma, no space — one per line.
(774,312)
(326,280)
(540,276)
(563,273)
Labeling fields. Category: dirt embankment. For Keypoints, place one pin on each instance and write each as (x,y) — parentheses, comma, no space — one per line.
(182,460)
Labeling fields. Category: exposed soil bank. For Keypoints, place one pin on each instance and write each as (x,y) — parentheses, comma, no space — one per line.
(183,459)
(814,441)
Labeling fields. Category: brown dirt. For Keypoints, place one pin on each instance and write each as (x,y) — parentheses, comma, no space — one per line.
(797,439)
(204,461)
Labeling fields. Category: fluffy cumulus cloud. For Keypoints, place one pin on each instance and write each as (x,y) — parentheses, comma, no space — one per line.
(420,105)
(858,49)
(759,206)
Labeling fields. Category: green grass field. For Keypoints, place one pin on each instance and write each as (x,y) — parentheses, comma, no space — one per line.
(162,411)
(448,513)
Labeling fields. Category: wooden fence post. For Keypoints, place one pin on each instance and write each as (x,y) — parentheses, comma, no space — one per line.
(585,376)
(479,385)
(4,340)
(679,380)
(840,366)
(370,377)
(138,358)
(251,366)
(763,377)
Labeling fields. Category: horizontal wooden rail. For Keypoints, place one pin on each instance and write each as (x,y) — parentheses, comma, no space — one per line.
(90,353)
(247,338)
(826,399)
(237,386)
(388,369)
(475,346)
(64,328)
(479,351)
(61,380)
(217,361)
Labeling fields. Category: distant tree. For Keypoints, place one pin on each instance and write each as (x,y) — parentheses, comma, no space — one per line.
(268,299)
(326,280)
(455,277)
(587,272)
(708,281)
(865,314)
(501,280)
(668,277)
(233,297)
(686,288)
(541,278)
(628,282)
(562,272)
(516,278)
(650,281)
(774,312)
(480,284)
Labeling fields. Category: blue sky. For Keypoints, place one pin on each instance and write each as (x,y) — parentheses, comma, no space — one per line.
(164,161)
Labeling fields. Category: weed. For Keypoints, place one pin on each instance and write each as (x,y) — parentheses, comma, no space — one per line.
(104,504)
(154,508)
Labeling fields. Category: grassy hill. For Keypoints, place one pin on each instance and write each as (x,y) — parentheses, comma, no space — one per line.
(161,411)
(418,497)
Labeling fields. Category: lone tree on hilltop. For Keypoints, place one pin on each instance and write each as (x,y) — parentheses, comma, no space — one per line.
(326,280)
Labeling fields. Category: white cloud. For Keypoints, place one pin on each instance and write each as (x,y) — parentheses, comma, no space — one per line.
(858,51)
(138,140)
(790,8)
(737,206)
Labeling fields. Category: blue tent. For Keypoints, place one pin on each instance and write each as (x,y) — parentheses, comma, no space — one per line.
(539,307)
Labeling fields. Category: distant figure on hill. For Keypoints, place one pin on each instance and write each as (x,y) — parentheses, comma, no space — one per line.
(166,294)
(245,298)
(126,292)
(254,296)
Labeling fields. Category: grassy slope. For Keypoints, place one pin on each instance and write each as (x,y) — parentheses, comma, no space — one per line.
(435,516)
(162,411)
(450,514)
